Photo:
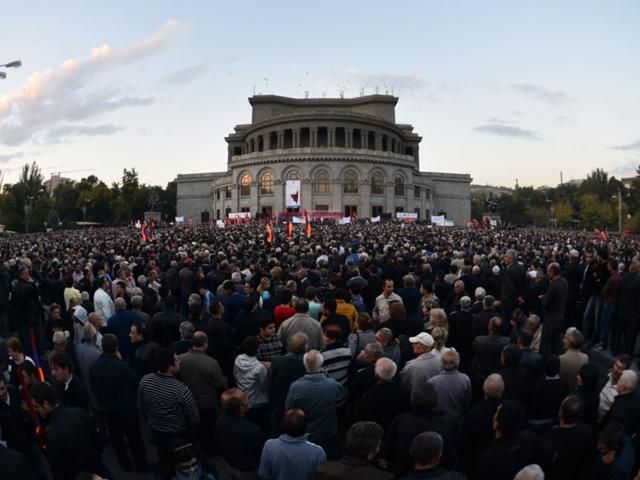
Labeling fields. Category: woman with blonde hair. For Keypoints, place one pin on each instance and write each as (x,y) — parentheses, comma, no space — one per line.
(440,335)
(437,318)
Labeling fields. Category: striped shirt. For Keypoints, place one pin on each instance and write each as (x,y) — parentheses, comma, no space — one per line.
(337,360)
(167,404)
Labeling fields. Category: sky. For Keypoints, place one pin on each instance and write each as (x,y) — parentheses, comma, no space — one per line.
(501,90)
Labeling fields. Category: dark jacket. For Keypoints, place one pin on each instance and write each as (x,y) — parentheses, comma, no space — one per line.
(404,429)
(284,371)
(165,327)
(546,397)
(626,410)
(240,442)
(350,469)
(488,349)
(114,384)
(573,447)
(120,325)
(476,431)
(508,455)
(555,300)
(437,473)
(384,402)
(76,394)
(14,465)
(73,444)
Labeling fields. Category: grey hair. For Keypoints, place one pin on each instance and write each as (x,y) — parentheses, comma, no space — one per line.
(493,386)
(450,361)
(530,472)
(136,301)
(465,303)
(575,337)
(385,369)
(313,361)
(89,333)
(628,379)
(186,329)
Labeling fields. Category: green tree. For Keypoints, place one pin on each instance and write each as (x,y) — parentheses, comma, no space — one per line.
(563,214)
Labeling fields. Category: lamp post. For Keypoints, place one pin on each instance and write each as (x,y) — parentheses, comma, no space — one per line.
(27,211)
(619,211)
(14,64)
(84,210)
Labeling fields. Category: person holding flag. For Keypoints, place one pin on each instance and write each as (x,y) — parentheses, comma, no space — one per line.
(269,231)
(289,228)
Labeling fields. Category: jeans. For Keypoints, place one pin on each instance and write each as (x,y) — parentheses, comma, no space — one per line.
(591,315)
(606,320)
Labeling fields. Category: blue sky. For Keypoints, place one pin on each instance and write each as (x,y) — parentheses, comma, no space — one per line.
(498,89)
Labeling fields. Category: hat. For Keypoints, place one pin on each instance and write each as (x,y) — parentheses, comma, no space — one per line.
(424,338)
(80,313)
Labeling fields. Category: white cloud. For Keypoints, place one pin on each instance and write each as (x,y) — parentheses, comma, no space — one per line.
(185,75)
(630,147)
(539,92)
(5,157)
(507,131)
(56,95)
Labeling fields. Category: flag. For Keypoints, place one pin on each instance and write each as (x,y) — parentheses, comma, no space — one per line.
(308,225)
(143,232)
(603,235)
(269,232)
(289,228)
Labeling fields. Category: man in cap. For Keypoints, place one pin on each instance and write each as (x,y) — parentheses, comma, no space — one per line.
(426,364)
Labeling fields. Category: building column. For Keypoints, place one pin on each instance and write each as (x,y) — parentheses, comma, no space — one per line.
(348,138)
(255,191)
(280,139)
(364,139)
(306,195)
(313,133)
(331,141)
(364,209)
(378,141)
(296,138)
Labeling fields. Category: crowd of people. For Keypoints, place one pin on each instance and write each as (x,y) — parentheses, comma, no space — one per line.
(376,351)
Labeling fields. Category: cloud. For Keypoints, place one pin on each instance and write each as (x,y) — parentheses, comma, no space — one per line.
(352,80)
(627,169)
(185,75)
(57,95)
(57,133)
(500,120)
(538,92)
(507,131)
(631,147)
(4,158)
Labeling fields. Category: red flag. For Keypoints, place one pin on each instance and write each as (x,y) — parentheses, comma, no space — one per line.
(269,232)
(604,236)
(143,232)
(308,224)
(289,228)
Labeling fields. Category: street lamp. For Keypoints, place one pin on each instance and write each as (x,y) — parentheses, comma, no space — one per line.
(84,210)
(14,64)
(27,211)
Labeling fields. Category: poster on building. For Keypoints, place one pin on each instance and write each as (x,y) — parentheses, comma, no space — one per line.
(407,217)
(292,194)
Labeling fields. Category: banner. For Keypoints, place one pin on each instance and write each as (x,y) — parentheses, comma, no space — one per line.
(345,220)
(179,219)
(407,217)
(437,219)
(240,216)
(295,219)
(375,219)
(219,224)
(292,194)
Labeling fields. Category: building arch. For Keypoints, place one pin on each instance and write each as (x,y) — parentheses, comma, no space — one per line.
(377,181)
(321,180)
(350,180)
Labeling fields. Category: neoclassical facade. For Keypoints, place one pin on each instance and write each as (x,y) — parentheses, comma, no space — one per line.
(350,156)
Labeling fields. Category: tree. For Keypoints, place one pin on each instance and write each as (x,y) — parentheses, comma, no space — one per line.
(564,214)
(596,214)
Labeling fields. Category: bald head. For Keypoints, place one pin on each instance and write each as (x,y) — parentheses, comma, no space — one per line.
(298,343)
(200,341)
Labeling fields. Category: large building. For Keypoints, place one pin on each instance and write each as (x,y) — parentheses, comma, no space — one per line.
(344,155)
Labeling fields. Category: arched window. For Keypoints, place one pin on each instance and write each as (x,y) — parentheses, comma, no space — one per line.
(266,184)
(245,185)
(399,186)
(294,175)
(350,182)
(321,182)
(377,184)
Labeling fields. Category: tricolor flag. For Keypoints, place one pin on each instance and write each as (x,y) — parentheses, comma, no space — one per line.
(308,225)
(289,228)
(143,232)
(269,232)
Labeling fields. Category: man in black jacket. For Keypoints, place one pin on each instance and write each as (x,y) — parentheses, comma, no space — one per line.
(73,390)
(115,386)
(572,442)
(626,405)
(14,464)
(72,442)
(625,325)
(284,371)
(553,305)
